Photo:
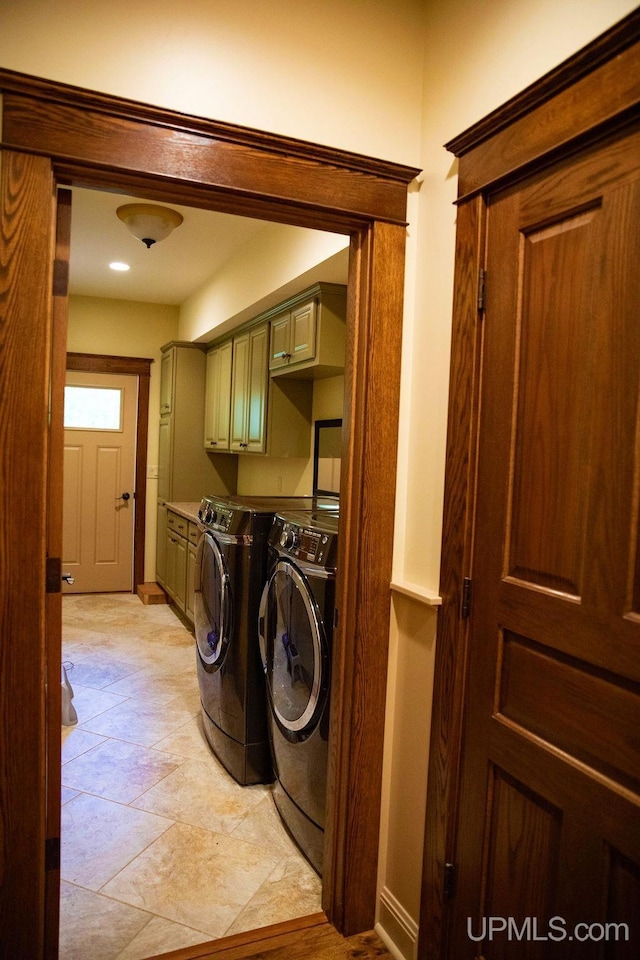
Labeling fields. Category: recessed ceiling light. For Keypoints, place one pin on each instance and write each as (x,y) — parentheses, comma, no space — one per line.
(119,266)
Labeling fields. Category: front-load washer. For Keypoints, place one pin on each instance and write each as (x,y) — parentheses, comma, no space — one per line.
(231,565)
(296,627)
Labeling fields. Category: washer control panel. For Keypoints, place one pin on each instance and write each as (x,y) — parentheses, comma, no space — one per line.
(215,515)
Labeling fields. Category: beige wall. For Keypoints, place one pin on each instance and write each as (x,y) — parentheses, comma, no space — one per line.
(477,54)
(344,74)
(391,78)
(127,329)
(271,476)
(278,262)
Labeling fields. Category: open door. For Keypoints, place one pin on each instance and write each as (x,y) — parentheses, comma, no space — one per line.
(54,570)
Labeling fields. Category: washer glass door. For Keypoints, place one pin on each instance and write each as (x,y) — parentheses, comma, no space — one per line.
(213,606)
(293,648)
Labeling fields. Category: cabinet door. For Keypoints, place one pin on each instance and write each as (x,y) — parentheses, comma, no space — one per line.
(222,423)
(191,582)
(303,332)
(210,400)
(257,391)
(180,573)
(217,411)
(170,550)
(280,341)
(240,392)
(164,459)
(167,365)
(161,545)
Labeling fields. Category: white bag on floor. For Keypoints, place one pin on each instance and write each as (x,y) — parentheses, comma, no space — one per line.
(69,714)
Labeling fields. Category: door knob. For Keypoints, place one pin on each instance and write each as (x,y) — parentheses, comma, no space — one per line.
(67,578)
(125,497)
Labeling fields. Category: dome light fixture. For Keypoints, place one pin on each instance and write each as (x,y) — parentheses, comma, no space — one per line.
(148,222)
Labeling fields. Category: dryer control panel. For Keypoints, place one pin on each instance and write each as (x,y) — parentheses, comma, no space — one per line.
(307,542)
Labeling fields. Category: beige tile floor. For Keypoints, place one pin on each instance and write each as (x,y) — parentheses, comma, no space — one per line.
(161,848)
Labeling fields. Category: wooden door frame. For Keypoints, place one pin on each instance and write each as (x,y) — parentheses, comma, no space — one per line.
(56,134)
(140,368)
(590,96)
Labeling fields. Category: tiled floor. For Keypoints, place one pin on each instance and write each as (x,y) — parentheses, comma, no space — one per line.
(161,848)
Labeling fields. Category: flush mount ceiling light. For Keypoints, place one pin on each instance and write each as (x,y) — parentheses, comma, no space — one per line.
(121,267)
(148,222)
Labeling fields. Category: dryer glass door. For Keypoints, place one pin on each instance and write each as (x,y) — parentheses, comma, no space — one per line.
(294,648)
(212,602)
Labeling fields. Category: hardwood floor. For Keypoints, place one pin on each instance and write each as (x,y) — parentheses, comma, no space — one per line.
(312,938)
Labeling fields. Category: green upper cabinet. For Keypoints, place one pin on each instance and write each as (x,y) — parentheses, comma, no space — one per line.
(307,334)
(249,391)
(217,404)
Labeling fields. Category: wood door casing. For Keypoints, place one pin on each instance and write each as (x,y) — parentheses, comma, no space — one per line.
(536,693)
(102,141)
(139,367)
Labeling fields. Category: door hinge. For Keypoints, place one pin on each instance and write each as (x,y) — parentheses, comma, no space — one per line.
(449,885)
(482,276)
(52,853)
(60,278)
(465,606)
(53,575)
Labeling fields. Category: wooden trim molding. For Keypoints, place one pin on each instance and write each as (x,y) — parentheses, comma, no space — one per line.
(55,133)
(596,89)
(594,94)
(347,188)
(141,368)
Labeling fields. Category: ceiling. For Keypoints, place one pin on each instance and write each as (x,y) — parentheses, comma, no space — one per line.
(169,271)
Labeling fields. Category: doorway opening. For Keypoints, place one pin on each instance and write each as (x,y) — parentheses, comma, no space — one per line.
(138,753)
(56,133)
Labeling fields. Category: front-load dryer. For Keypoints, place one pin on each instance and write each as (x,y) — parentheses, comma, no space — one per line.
(231,569)
(296,627)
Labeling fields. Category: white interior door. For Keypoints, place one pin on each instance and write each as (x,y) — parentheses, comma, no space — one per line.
(99,476)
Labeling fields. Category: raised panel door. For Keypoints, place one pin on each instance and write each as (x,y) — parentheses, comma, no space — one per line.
(210,400)
(549,817)
(180,572)
(165,473)
(191,582)
(218,398)
(99,484)
(222,414)
(280,341)
(257,391)
(167,369)
(240,392)
(161,545)
(303,332)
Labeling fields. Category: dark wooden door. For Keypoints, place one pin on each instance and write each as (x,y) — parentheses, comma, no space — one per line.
(548,829)
(54,550)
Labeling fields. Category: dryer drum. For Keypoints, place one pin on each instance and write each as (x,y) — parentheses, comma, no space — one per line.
(213,604)
(294,651)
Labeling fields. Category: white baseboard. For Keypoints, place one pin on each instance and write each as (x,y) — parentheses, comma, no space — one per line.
(396,928)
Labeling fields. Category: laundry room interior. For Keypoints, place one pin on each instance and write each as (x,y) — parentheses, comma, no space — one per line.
(347,82)
(138,736)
